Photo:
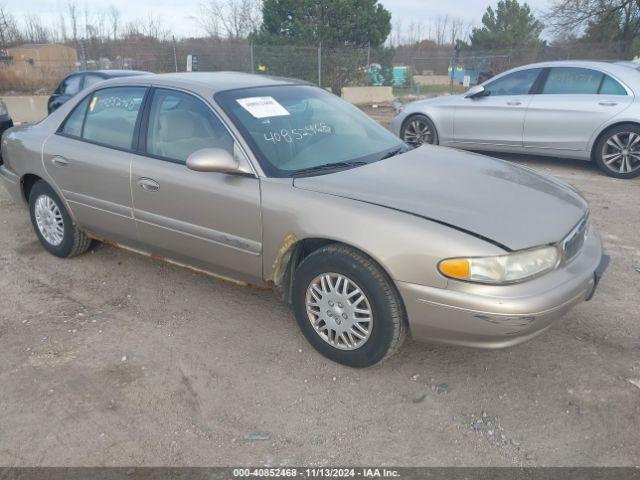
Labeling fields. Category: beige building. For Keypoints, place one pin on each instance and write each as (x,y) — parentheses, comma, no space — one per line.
(34,62)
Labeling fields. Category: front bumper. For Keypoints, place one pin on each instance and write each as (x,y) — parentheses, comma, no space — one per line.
(489,316)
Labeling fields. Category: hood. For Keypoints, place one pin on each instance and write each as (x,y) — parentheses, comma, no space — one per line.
(509,205)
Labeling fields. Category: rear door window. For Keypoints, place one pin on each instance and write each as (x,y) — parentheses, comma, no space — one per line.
(112,115)
(572,81)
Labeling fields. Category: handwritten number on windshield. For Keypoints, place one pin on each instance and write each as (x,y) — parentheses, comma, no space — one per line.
(296,134)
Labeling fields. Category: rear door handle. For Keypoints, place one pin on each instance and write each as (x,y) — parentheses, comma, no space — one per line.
(60,161)
(148,184)
(607,104)
(514,103)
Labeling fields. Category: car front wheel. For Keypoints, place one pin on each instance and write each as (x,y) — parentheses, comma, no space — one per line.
(419,130)
(53,224)
(618,152)
(347,306)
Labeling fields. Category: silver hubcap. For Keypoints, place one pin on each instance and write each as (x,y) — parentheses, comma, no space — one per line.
(339,311)
(621,153)
(49,220)
(417,133)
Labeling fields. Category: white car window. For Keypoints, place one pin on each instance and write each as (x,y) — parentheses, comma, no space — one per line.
(73,124)
(91,80)
(71,85)
(180,124)
(611,87)
(112,114)
(572,81)
(516,83)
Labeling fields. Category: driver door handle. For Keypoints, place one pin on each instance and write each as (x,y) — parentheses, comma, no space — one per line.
(59,161)
(148,184)
(514,102)
(606,103)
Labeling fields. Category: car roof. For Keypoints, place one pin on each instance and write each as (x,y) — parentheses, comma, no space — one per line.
(628,76)
(574,63)
(118,73)
(206,83)
(630,63)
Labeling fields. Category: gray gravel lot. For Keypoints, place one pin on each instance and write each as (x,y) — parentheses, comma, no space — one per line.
(116,359)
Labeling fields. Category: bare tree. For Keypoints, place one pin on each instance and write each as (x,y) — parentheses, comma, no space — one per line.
(414,33)
(88,29)
(234,19)
(72,7)
(395,38)
(114,20)
(132,29)
(99,24)
(568,17)
(441,29)
(9,32)
(62,28)
(34,30)
(155,28)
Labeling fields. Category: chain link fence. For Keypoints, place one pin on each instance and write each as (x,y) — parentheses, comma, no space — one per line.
(422,70)
(432,68)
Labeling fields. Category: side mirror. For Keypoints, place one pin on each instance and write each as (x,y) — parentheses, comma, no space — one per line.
(475,92)
(212,160)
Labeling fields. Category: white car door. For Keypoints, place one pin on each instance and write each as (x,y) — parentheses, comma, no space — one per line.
(572,105)
(497,118)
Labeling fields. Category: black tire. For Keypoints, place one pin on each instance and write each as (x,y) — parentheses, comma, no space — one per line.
(409,127)
(626,134)
(389,325)
(74,241)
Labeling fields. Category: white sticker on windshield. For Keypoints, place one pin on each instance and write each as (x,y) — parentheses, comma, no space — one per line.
(263,107)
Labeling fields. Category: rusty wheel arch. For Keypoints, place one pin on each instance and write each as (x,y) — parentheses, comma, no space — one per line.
(289,259)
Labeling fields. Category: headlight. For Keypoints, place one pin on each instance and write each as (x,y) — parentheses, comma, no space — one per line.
(510,268)
(3,108)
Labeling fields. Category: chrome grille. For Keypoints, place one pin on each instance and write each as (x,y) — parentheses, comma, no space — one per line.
(573,243)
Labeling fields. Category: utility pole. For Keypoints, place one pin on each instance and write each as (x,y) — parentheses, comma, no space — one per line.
(253,69)
(175,55)
(454,65)
(83,55)
(320,64)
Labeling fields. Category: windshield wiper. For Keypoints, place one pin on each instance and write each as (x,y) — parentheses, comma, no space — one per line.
(393,153)
(327,167)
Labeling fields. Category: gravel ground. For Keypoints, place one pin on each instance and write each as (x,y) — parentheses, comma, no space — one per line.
(116,359)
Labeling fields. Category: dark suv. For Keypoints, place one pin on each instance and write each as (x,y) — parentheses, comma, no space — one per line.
(5,119)
(75,82)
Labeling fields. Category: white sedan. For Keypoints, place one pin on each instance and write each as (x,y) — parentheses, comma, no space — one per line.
(572,109)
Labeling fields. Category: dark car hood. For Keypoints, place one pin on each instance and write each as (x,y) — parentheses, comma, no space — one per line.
(507,204)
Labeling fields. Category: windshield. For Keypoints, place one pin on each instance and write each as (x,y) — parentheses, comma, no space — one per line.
(299,129)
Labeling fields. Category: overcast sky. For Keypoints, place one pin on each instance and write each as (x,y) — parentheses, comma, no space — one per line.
(178,15)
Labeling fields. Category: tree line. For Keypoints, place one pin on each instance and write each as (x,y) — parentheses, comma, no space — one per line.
(507,25)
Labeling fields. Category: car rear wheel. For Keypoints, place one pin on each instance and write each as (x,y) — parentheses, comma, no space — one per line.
(618,152)
(419,130)
(53,224)
(347,307)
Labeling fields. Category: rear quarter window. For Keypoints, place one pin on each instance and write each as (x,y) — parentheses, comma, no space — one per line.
(611,87)
(73,124)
